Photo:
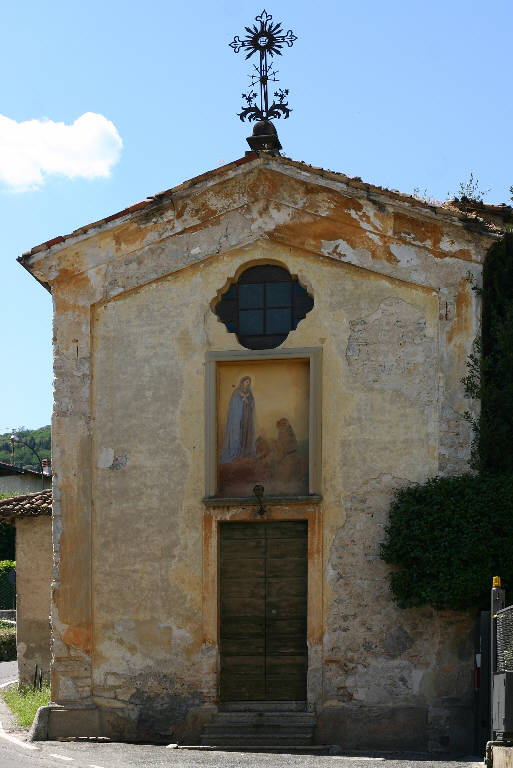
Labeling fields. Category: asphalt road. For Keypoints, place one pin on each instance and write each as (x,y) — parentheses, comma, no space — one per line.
(8,671)
(106,755)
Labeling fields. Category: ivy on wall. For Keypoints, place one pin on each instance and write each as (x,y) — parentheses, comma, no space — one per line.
(449,536)
(495,378)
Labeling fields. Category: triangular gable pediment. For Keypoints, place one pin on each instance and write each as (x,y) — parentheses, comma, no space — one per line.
(259,198)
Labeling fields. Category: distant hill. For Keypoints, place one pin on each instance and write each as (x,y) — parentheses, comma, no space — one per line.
(39,439)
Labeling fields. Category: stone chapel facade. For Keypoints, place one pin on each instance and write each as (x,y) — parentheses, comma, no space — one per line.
(174,591)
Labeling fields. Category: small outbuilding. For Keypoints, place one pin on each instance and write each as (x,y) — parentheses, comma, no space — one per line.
(31,514)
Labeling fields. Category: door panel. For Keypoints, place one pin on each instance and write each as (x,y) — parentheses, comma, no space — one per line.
(263,608)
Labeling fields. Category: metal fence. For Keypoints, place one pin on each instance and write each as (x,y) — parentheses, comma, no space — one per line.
(501,671)
(504,629)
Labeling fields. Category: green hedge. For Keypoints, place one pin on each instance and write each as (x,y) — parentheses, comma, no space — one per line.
(7,641)
(448,537)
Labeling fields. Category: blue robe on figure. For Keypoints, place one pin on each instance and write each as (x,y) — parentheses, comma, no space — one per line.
(239,440)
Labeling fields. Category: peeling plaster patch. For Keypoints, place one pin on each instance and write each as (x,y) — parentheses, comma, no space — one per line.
(447,243)
(391,350)
(119,461)
(105,458)
(340,249)
(405,254)
(376,218)
(110,460)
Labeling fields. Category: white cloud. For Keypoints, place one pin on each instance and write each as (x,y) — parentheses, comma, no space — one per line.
(34,149)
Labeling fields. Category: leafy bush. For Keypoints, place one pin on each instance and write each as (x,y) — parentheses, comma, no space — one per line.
(449,536)
(24,702)
(7,642)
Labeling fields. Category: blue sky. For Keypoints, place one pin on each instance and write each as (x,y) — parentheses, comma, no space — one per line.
(405,95)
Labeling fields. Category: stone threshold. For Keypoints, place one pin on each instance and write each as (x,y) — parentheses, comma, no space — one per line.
(319,749)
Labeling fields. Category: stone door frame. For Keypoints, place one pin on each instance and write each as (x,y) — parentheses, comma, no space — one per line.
(312,513)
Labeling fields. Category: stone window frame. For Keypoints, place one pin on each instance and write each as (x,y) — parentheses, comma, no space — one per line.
(314,356)
(264,275)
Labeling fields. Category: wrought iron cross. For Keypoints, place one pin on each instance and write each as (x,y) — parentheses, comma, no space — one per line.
(266,39)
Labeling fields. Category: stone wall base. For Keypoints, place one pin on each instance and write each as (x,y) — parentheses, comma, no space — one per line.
(437,729)
(444,728)
(56,722)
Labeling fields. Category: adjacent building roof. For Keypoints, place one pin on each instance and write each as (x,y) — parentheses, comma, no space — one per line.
(12,469)
(28,505)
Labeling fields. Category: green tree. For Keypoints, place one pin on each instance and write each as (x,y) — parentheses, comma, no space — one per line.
(495,425)
(39,439)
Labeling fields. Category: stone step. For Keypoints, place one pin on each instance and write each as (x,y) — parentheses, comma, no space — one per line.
(263,706)
(264,740)
(245,729)
(287,718)
(291,749)
(266,727)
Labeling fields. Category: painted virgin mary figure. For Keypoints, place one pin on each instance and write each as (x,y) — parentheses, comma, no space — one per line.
(239,439)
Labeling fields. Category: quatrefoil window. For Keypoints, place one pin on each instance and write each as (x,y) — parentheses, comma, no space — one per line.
(263,306)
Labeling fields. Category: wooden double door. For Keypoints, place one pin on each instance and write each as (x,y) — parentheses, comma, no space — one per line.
(263,611)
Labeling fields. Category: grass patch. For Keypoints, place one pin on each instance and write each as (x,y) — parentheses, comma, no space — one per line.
(24,702)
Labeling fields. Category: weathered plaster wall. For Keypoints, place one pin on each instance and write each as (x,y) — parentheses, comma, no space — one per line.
(33,576)
(380,429)
(395,316)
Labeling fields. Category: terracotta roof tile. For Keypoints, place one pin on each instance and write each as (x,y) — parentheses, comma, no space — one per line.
(28,505)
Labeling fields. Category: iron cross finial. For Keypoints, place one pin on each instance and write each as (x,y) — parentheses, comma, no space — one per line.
(267,39)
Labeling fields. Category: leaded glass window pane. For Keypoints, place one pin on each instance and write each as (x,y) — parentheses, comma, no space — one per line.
(263,306)
(251,296)
(251,321)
